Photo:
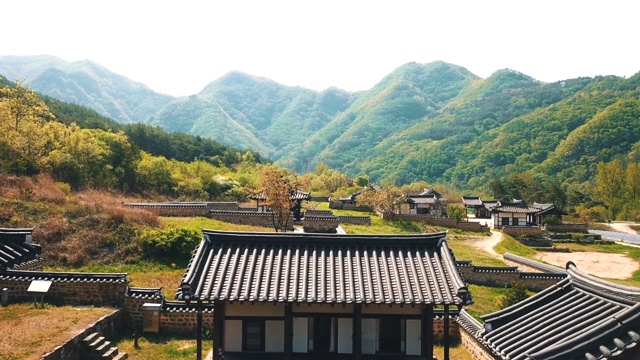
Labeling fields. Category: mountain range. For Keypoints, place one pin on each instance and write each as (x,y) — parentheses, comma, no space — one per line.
(434,122)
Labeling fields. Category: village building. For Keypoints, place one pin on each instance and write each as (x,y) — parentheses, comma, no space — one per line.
(481,208)
(427,202)
(580,318)
(519,213)
(293,295)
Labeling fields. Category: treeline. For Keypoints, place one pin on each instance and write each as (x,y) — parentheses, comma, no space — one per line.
(103,155)
(617,184)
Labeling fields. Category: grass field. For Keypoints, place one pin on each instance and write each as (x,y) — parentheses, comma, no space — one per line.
(29,332)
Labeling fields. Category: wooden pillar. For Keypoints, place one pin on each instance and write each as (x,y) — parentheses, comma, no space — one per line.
(427,331)
(288,331)
(357,331)
(218,328)
(199,330)
(447,342)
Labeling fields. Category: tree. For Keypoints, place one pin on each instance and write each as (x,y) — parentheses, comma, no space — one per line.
(610,179)
(516,293)
(277,191)
(633,188)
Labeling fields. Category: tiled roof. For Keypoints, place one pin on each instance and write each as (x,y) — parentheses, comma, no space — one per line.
(549,209)
(471,201)
(514,207)
(24,275)
(16,248)
(423,199)
(581,317)
(325,268)
(144,293)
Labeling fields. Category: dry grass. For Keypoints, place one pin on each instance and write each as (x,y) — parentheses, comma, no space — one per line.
(112,204)
(28,333)
(38,188)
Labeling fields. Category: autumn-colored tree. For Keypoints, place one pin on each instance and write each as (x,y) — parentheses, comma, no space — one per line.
(381,199)
(277,191)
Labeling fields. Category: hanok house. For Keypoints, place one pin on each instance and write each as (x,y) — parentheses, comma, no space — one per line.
(519,213)
(17,250)
(581,317)
(296,199)
(299,296)
(481,208)
(425,203)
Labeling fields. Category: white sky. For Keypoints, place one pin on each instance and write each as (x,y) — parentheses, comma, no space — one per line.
(177,47)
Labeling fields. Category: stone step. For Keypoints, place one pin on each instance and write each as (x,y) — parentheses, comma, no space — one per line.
(97,341)
(103,347)
(111,353)
(91,337)
(121,356)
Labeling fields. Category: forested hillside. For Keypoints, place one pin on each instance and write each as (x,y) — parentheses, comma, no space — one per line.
(433,122)
(85,83)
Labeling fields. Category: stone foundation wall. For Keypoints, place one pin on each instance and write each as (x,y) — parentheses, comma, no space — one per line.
(320,224)
(474,347)
(339,205)
(135,310)
(573,227)
(109,326)
(70,292)
(438,329)
(522,230)
(184,321)
(223,206)
(263,219)
(472,226)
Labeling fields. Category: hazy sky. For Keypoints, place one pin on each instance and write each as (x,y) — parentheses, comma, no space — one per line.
(177,47)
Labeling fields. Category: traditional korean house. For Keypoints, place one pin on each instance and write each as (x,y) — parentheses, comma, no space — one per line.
(425,203)
(296,202)
(474,202)
(519,213)
(304,296)
(545,210)
(17,251)
(579,318)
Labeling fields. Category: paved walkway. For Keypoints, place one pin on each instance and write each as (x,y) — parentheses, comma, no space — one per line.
(617,236)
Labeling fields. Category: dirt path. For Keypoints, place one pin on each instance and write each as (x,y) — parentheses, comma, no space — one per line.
(623,227)
(487,244)
(610,266)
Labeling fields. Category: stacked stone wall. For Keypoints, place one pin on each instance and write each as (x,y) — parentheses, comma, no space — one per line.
(319,198)
(522,230)
(472,226)
(184,320)
(134,307)
(98,293)
(438,329)
(474,347)
(109,326)
(320,224)
(264,219)
(569,227)
(223,206)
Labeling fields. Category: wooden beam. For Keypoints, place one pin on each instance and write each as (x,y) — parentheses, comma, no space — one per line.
(288,331)
(427,331)
(218,328)
(447,342)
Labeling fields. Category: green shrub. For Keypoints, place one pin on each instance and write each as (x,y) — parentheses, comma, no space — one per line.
(170,241)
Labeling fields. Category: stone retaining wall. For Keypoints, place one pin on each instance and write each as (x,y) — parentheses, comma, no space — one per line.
(264,219)
(178,318)
(522,230)
(438,329)
(109,326)
(437,221)
(477,350)
(223,205)
(568,227)
(320,224)
(472,226)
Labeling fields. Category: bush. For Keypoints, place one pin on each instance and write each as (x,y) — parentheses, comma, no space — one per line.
(515,294)
(170,241)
